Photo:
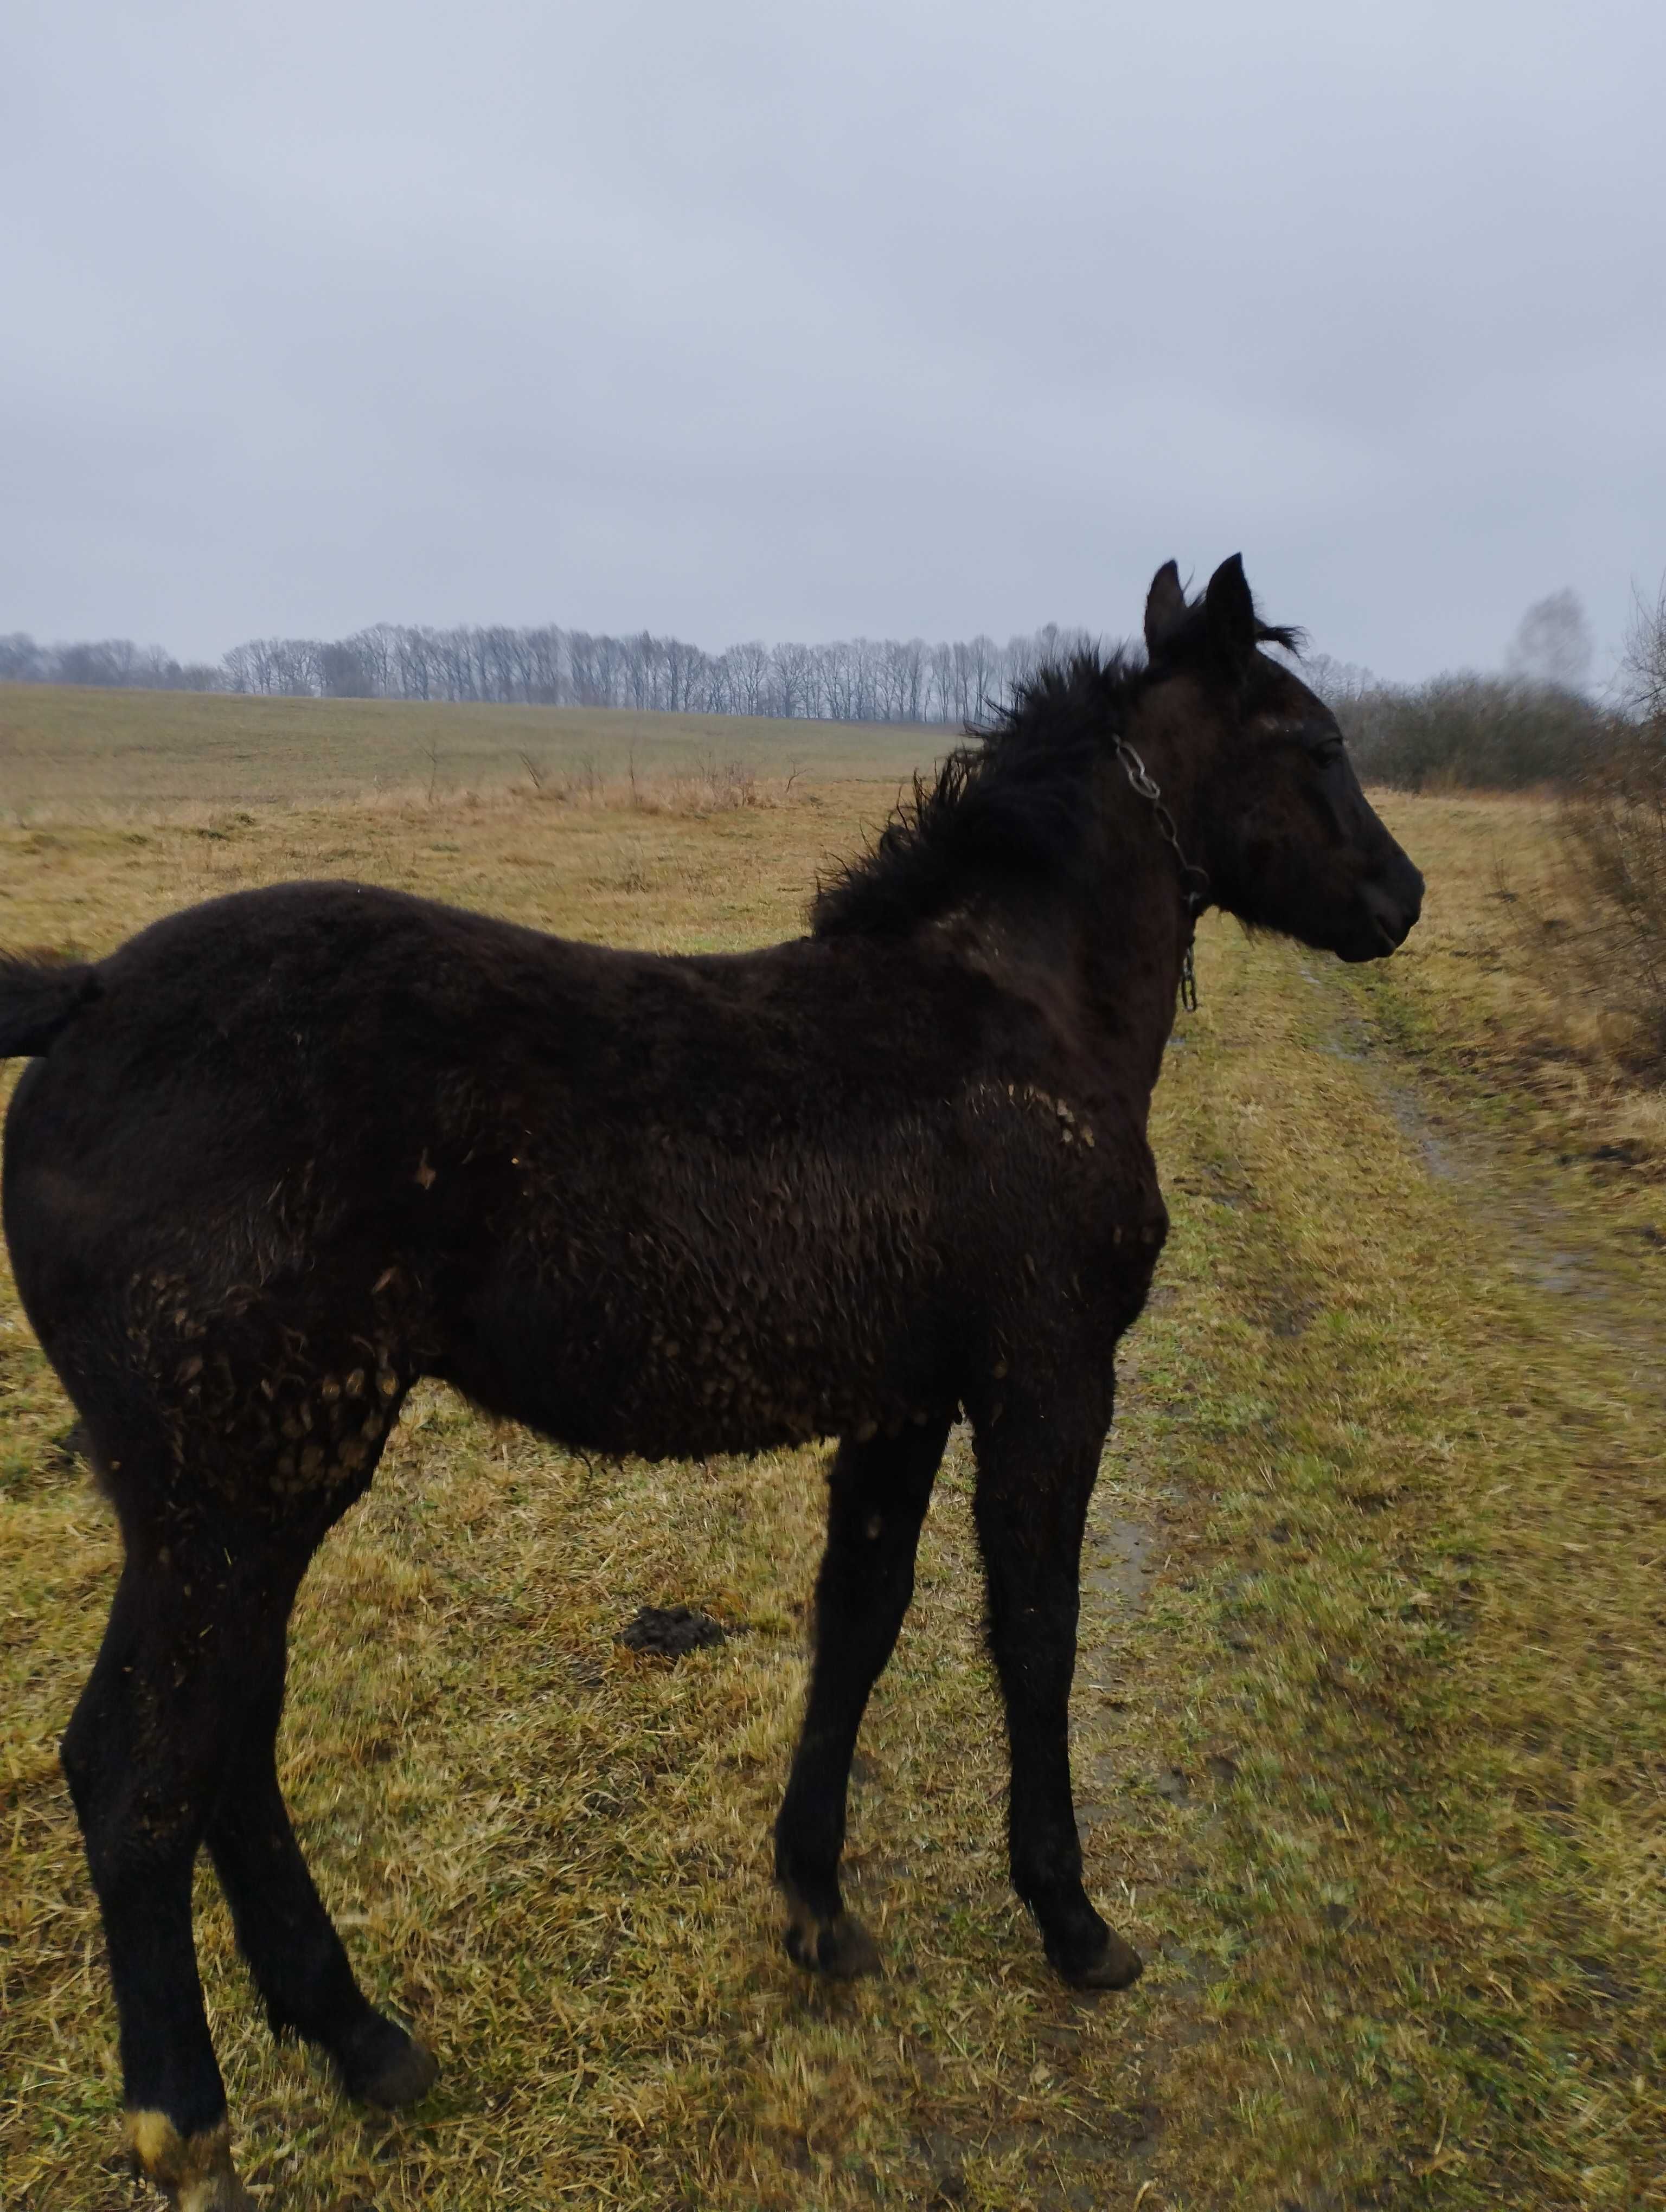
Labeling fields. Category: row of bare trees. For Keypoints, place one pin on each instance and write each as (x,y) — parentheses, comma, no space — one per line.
(854,680)
(1534,724)
(108,661)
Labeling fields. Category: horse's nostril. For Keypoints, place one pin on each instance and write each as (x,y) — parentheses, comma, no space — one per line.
(1393,916)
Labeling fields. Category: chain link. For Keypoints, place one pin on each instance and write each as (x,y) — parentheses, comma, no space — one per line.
(1145,787)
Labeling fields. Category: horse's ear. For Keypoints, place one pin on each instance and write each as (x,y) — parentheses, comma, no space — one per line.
(1165,605)
(1230,612)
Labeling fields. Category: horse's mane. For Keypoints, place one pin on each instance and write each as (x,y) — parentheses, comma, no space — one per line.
(1010,802)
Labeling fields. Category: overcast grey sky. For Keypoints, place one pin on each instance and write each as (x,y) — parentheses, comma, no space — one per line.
(737,320)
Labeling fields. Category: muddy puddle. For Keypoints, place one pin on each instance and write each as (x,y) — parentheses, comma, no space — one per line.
(1119,1560)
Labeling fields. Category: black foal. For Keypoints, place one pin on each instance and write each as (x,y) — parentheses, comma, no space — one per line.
(282,1154)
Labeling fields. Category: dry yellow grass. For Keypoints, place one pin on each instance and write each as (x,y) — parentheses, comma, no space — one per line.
(1373,1775)
(66,752)
(1498,984)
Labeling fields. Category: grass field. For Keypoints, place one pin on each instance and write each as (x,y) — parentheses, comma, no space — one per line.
(66,751)
(1370,1730)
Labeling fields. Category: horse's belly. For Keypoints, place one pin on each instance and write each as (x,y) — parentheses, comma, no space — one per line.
(670,1362)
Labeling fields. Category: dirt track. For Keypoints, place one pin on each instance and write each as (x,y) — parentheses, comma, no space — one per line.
(1398,1409)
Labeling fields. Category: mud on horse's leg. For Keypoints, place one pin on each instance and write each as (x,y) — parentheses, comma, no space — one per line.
(1036,1475)
(296,1957)
(144,1754)
(878,1493)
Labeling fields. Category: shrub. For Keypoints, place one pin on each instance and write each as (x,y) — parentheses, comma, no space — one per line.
(1474,733)
(1614,833)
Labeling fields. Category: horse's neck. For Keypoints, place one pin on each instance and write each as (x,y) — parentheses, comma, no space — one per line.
(1129,969)
(1103,963)
(1137,935)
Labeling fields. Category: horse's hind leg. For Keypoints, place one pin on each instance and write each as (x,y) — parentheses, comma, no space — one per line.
(878,1494)
(144,1755)
(299,1964)
(1036,1473)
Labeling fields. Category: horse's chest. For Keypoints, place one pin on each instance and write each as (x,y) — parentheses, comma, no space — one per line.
(1084,1168)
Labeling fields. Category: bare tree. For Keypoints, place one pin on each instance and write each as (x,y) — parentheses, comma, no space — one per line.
(1553,643)
(344,672)
(792,679)
(21,661)
(751,665)
(1642,659)
(1338,683)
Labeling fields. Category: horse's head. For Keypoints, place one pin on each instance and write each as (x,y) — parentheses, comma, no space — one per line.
(1289,840)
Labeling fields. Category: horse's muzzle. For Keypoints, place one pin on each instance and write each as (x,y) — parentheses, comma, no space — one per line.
(1392,905)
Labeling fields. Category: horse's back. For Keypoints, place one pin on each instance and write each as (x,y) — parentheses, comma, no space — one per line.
(317,998)
(666,1204)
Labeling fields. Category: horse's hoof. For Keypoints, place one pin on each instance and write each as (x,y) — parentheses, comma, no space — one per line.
(220,2192)
(1115,1966)
(406,2079)
(194,2172)
(841,1948)
(386,2067)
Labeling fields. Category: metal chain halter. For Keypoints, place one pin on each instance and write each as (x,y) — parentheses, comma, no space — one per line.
(1197,890)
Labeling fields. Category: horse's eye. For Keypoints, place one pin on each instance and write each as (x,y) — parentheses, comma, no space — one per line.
(1328,751)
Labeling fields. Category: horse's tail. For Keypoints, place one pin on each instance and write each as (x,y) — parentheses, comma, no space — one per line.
(39,1000)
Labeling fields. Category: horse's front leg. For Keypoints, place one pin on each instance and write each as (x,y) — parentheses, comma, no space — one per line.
(1036,1465)
(878,1493)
